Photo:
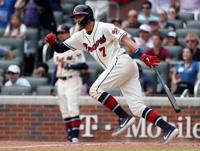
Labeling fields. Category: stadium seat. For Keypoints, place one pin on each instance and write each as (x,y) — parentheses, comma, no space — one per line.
(115,92)
(174,51)
(193,24)
(94,66)
(1,31)
(177,23)
(35,82)
(134,32)
(163,31)
(186,16)
(58,15)
(163,68)
(67,8)
(32,37)
(181,41)
(44,90)
(15,90)
(164,71)
(149,73)
(181,33)
(16,44)
(5,63)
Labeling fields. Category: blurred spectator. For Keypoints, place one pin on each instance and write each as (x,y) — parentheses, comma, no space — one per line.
(132,20)
(46,17)
(19,6)
(30,14)
(186,73)
(154,25)
(6,53)
(171,39)
(157,49)
(15,28)
(146,12)
(172,14)
(190,6)
(148,85)
(192,41)
(6,10)
(175,4)
(144,40)
(41,70)
(160,4)
(14,77)
(163,23)
(56,5)
(100,9)
(117,22)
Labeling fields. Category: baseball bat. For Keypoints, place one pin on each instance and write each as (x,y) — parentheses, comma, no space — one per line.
(168,92)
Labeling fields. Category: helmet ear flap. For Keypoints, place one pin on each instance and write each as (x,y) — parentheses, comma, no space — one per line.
(86,19)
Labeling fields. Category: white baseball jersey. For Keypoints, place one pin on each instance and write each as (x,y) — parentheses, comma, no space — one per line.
(121,70)
(68,57)
(102,43)
(68,90)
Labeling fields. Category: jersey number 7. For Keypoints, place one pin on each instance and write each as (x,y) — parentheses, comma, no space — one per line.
(103,51)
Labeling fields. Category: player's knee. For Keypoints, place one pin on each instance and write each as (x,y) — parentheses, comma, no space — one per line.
(92,91)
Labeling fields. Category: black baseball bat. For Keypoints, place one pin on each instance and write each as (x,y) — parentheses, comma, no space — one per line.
(168,92)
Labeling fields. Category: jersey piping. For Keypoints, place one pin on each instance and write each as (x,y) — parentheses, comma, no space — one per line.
(69,46)
(106,75)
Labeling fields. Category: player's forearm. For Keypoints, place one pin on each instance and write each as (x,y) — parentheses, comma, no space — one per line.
(59,47)
(132,47)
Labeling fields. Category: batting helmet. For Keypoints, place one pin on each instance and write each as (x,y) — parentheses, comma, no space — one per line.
(83,10)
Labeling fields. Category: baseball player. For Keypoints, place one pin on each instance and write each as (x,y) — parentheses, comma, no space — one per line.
(68,65)
(102,41)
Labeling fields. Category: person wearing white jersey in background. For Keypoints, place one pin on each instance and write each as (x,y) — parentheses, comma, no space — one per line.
(68,65)
(102,41)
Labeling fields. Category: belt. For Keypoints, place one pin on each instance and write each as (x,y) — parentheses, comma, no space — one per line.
(65,78)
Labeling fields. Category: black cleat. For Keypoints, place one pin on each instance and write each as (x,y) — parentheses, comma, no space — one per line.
(124,124)
(170,134)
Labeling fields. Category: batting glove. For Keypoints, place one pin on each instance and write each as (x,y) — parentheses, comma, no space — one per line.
(150,61)
(50,39)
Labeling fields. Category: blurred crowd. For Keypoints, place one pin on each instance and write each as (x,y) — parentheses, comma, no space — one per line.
(168,29)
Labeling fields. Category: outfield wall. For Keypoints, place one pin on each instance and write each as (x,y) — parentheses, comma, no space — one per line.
(38,118)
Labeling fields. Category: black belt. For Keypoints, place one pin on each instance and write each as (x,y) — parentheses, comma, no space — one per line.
(65,78)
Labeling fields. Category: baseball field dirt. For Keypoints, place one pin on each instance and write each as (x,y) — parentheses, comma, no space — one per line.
(86,146)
